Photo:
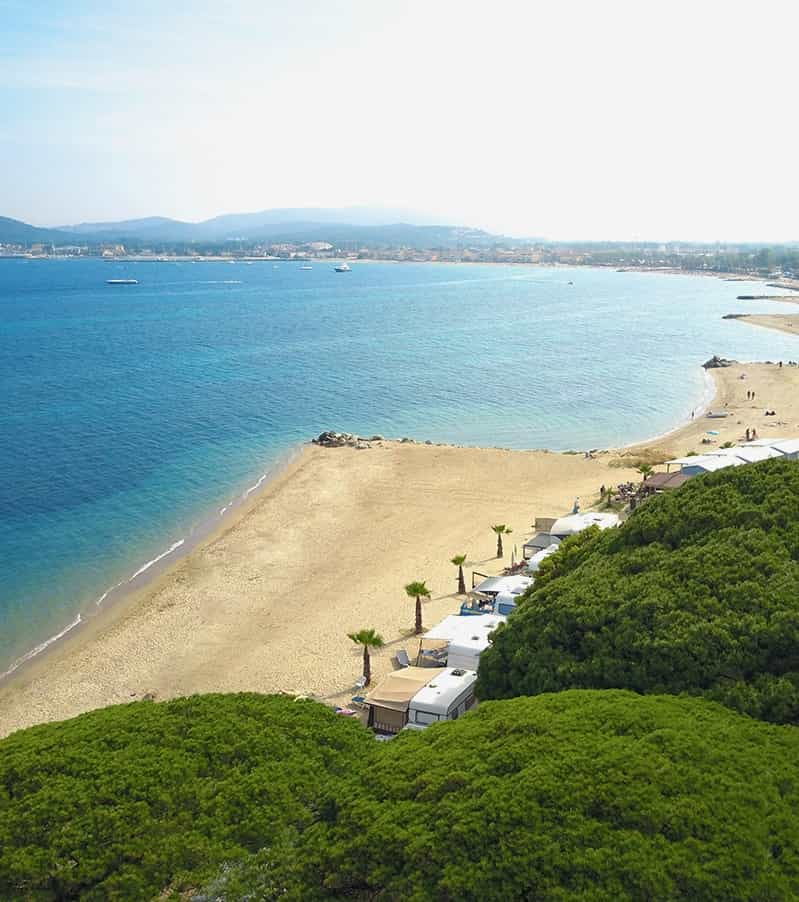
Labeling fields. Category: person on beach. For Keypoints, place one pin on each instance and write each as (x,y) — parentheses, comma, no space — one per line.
(747,433)
(576,507)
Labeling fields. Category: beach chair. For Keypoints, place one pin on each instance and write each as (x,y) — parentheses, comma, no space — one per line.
(402,658)
(360,682)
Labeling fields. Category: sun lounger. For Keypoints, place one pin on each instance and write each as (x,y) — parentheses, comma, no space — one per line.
(402,658)
(360,682)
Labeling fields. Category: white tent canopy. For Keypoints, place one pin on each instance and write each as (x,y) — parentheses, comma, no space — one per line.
(574,523)
(466,631)
(748,455)
(535,561)
(495,585)
(707,462)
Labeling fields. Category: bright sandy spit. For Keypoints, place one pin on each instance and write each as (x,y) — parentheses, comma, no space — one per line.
(267,602)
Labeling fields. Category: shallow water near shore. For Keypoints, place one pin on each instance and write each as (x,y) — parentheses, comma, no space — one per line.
(132,413)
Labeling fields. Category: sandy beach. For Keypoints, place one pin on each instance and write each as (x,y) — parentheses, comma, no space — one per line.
(782,322)
(266,603)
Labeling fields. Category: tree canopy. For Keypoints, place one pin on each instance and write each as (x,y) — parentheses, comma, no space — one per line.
(581,795)
(125,801)
(698,592)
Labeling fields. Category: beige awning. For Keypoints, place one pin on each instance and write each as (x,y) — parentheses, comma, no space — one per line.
(397,689)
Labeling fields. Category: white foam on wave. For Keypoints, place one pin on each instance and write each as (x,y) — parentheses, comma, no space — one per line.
(257,485)
(105,594)
(41,647)
(173,547)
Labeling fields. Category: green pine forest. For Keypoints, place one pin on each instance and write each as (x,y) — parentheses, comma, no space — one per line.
(636,740)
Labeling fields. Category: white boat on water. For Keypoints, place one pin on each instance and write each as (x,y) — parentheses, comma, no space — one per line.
(306,267)
(122,281)
(342,267)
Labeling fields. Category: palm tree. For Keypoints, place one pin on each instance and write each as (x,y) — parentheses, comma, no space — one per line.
(369,639)
(645,470)
(459,560)
(417,590)
(501,530)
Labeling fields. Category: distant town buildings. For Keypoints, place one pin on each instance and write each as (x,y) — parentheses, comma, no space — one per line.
(775,262)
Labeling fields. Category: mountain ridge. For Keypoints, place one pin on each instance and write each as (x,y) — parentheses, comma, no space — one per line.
(367,225)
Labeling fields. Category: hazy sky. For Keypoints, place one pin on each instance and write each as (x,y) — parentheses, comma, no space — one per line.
(614,119)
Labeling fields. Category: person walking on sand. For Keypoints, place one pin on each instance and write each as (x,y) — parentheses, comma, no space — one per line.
(576,507)
(747,433)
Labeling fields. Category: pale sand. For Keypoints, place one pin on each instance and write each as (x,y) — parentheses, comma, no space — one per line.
(266,603)
(782,322)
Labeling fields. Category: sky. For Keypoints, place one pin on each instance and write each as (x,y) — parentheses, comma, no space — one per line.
(614,120)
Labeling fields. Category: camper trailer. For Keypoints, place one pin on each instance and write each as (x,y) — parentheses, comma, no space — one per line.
(458,641)
(418,696)
(446,697)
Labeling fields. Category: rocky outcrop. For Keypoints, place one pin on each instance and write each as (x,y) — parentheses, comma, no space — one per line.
(717,362)
(735,316)
(343,440)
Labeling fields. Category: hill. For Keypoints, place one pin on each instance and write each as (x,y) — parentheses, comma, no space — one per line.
(580,795)
(124,801)
(600,796)
(698,592)
(360,225)
(364,226)
(13,231)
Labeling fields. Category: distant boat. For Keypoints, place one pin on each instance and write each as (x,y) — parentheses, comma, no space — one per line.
(342,267)
(122,281)
(306,267)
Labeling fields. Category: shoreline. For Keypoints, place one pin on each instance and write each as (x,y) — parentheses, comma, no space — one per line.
(265,601)
(205,529)
(214,523)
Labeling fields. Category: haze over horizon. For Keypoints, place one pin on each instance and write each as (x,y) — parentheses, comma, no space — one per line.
(613,122)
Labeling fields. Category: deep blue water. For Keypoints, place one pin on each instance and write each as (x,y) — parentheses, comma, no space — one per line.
(130,413)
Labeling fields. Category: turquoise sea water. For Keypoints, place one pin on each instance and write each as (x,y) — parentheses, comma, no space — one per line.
(132,413)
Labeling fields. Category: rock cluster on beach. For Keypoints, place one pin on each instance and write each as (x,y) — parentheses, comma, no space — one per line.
(344,440)
(331,439)
(717,362)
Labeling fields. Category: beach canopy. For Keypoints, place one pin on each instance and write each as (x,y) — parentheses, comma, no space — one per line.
(538,542)
(535,561)
(748,455)
(496,584)
(663,481)
(709,463)
(469,631)
(396,690)
(712,432)
(574,523)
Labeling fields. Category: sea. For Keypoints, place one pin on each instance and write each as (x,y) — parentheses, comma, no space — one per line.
(132,417)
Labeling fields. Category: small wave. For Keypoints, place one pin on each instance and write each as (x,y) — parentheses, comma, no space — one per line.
(257,485)
(173,547)
(105,594)
(41,647)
